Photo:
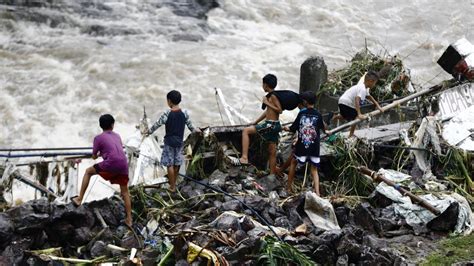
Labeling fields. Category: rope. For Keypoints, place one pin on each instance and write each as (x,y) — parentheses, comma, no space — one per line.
(219,109)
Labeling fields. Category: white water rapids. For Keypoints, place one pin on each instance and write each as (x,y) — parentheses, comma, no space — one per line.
(61,70)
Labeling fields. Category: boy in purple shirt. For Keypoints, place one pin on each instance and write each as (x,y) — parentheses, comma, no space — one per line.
(113,168)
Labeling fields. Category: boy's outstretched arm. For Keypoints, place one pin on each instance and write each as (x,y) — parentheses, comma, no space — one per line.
(189,124)
(357,107)
(374,102)
(161,121)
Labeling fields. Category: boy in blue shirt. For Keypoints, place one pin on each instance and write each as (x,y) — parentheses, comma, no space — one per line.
(174,119)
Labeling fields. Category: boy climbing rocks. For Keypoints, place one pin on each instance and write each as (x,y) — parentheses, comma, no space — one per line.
(113,168)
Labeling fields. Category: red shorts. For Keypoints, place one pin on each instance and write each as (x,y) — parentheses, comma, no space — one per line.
(113,178)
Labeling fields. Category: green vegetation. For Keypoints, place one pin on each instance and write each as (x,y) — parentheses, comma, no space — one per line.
(394,78)
(280,253)
(452,250)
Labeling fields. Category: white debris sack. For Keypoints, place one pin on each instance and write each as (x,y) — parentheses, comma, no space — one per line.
(320,212)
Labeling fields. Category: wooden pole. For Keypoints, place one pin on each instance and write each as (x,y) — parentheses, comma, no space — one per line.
(380,178)
(356,121)
(34,184)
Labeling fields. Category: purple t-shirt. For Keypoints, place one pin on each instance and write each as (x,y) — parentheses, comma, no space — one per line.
(108,145)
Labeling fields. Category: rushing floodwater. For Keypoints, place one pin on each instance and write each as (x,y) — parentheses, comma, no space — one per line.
(63,65)
(61,70)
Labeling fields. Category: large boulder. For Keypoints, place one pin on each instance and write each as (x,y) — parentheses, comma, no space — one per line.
(26,219)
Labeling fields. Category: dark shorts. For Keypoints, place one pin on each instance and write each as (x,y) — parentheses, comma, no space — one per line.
(113,178)
(172,156)
(269,130)
(347,112)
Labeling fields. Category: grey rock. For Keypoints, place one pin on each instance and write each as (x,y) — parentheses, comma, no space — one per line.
(82,235)
(342,215)
(350,247)
(378,200)
(246,224)
(283,221)
(342,260)
(129,242)
(99,249)
(447,220)
(364,218)
(25,220)
(324,255)
(233,205)
(227,222)
(6,230)
(240,235)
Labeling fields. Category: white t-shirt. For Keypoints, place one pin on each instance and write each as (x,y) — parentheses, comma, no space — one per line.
(348,98)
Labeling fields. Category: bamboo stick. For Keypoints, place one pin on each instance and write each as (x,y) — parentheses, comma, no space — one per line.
(380,178)
(33,184)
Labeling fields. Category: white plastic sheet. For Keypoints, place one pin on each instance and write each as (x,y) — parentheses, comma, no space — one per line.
(416,215)
(320,212)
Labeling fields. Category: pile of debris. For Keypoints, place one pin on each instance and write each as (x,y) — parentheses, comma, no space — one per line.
(244,219)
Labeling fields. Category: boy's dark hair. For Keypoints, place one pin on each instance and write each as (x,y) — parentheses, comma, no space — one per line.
(309,97)
(106,121)
(270,80)
(371,75)
(174,97)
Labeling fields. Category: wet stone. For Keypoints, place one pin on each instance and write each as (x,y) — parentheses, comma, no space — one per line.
(350,247)
(99,249)
(232,205)
(226,222)
(364,218)
(342,215)
(6,230)
(283,222)
(82,236)
(240,235)
(378,200)
(447,220)
(246,224)
(129,242)
(324,255)
(26,220)
(60,232)
(342,260)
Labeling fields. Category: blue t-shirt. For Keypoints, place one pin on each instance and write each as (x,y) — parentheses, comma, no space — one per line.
(174,121)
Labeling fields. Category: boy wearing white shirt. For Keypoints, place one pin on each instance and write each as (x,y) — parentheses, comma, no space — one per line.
(349,102)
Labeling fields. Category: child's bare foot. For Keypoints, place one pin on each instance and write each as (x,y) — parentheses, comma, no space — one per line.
(244,161)
(128,222)
(76,201)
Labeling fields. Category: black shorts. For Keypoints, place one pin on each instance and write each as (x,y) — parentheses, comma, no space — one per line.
(347,112)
